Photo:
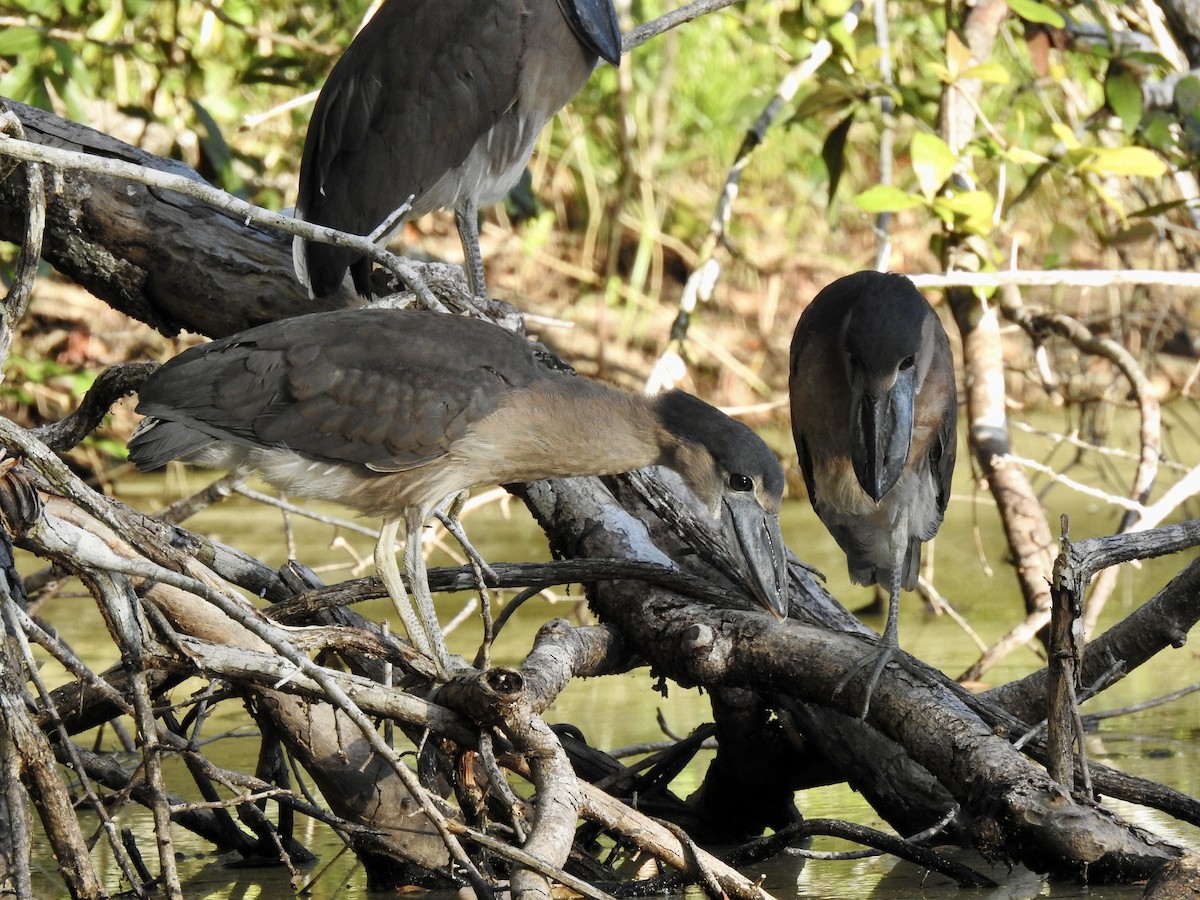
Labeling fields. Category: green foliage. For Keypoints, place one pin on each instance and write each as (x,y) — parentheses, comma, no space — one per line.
(216,75)
(1033,140)
(1037,12)
(23,375)
(197,68)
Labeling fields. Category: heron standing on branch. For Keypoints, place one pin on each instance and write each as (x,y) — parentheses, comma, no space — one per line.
(874,415)
(390,412)
(435,104)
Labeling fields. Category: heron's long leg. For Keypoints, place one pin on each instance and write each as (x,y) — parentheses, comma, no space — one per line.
(414,567)
(389,573)
(889,642)
(466,217)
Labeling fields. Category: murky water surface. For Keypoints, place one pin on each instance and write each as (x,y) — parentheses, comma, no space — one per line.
(1160,743)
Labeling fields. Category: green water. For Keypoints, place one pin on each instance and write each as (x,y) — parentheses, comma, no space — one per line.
(970,571)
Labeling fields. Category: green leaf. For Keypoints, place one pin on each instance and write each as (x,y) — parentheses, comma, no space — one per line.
(14,41)
(942,72)
(933,161)
(1034,11)
(1158,209)
(1022,157)
(1124,95)
(958,57)
(835,9)
(108,27)
(976,207)
(844,41)
(883,198)
(833,152)
(829,97)
(970,211)
(1187,102)
(991,72)
(1158,131)
(1064,133)
(1124,161)
(1187,95)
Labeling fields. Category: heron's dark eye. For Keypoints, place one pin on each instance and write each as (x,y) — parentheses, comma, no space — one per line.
(741,482)
(907,363)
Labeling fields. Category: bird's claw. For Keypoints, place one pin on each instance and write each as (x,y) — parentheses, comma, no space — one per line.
(883,654)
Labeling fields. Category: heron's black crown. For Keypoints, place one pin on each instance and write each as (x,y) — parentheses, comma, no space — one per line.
(734,447)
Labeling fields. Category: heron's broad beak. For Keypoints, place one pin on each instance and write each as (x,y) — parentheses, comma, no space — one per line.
(881,423)
(758,550)
(594,23)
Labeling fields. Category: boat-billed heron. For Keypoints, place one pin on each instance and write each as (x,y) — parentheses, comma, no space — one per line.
(437,104)
(390,412)
(874,415)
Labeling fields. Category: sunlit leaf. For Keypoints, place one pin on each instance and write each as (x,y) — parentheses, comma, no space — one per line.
(1035,11)
(884,198)
(14,41)
(1022,157)
(970,211)
(991,72)
(942,73)
(835,9)
(1066,135)
(1125,161)
(958,56)
(932,161)
(973,205)
(844,41)
(109,25)
(240,11)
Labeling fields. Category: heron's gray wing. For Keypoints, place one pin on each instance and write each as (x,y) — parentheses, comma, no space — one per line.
(385,389)
(944,449)
(406,102)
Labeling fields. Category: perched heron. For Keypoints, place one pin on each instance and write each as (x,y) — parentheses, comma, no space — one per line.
(390,412)
(874,415)
(435,104)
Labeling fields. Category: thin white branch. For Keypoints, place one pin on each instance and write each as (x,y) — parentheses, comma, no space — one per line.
(1113,499)
(1058,278)
(1074,440)
(1174,497)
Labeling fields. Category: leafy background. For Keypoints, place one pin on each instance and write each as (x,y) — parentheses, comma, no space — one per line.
(1071,165)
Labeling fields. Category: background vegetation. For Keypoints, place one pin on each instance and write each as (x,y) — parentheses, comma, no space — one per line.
(1071,165)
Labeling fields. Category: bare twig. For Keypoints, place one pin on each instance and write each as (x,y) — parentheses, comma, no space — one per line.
(676,17)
